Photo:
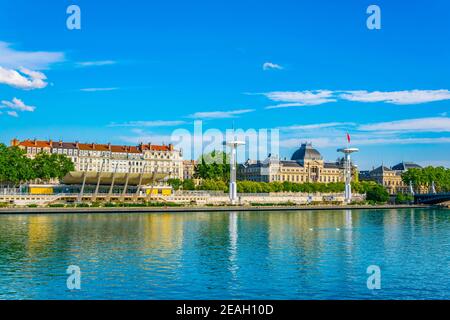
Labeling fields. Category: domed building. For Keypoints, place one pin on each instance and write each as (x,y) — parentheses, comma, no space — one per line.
(306,165)
(306,152)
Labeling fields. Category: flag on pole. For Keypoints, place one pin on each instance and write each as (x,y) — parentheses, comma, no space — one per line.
(348,138)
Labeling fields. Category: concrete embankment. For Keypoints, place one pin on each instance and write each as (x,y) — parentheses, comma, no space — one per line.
(199,209)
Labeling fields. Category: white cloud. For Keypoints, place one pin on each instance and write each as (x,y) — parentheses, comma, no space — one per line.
(156,123)
(271,66)
(438,124)
(37,60)
(98,89)
(316,97)
(23,79)
(12,114)
(326,142)
(316,126)
(96,63)
(17,104)
(219,114)
(397,97)
(299,98)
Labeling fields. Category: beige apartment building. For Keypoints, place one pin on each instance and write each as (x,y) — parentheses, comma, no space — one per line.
(108,158)
(189,169)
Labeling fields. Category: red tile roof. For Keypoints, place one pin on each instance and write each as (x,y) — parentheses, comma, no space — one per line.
(92,146)
(35,143)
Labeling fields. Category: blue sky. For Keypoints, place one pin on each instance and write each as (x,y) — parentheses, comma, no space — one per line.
(137,70)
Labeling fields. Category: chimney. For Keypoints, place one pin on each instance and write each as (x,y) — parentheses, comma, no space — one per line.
(170,147)
(77,144)
(60,143)
(15,142)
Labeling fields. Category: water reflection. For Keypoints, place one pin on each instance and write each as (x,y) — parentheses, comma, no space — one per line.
(233,230)
(286,255)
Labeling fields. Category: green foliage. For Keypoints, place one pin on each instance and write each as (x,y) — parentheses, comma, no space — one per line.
(16,168)
(141,204)
(50,166)
(424,177)
(175,183)
(280,204)
(82,205)
(56,205)
(402,198)
(377,194)
(213,185)
(188,184)
(364,187)
(265,187)
(213,166)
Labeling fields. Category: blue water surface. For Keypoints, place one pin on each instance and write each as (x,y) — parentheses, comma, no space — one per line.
(237,255)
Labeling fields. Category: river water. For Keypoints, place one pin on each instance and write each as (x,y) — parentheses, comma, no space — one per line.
(237,255)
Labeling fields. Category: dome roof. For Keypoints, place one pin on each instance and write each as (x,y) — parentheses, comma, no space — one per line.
(306,152)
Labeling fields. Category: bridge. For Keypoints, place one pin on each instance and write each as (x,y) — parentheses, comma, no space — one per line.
(432,198)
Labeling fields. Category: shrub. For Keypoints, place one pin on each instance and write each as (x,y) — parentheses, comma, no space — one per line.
(377,194)
(402,198)
(83,205)
(56,205)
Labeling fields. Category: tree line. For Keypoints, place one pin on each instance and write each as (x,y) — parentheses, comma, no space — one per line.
(16,168)
(373,191)
(424,177)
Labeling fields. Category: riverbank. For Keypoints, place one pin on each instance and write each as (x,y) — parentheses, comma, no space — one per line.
(47,210)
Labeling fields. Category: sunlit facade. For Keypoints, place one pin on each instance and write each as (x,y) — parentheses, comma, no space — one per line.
(108,158)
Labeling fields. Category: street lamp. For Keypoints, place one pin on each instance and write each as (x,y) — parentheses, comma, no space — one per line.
(348,172)
(233,164)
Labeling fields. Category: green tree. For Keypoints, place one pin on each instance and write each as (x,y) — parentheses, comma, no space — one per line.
(402,198)
(51,166)
(188,184)
(175,183)
(15,167)
(213,185)
(213,166)
(424,177)
(378,194)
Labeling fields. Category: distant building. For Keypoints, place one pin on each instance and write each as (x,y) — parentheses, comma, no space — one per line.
(108,158)
(306,165)
(390,178)
(189,169)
